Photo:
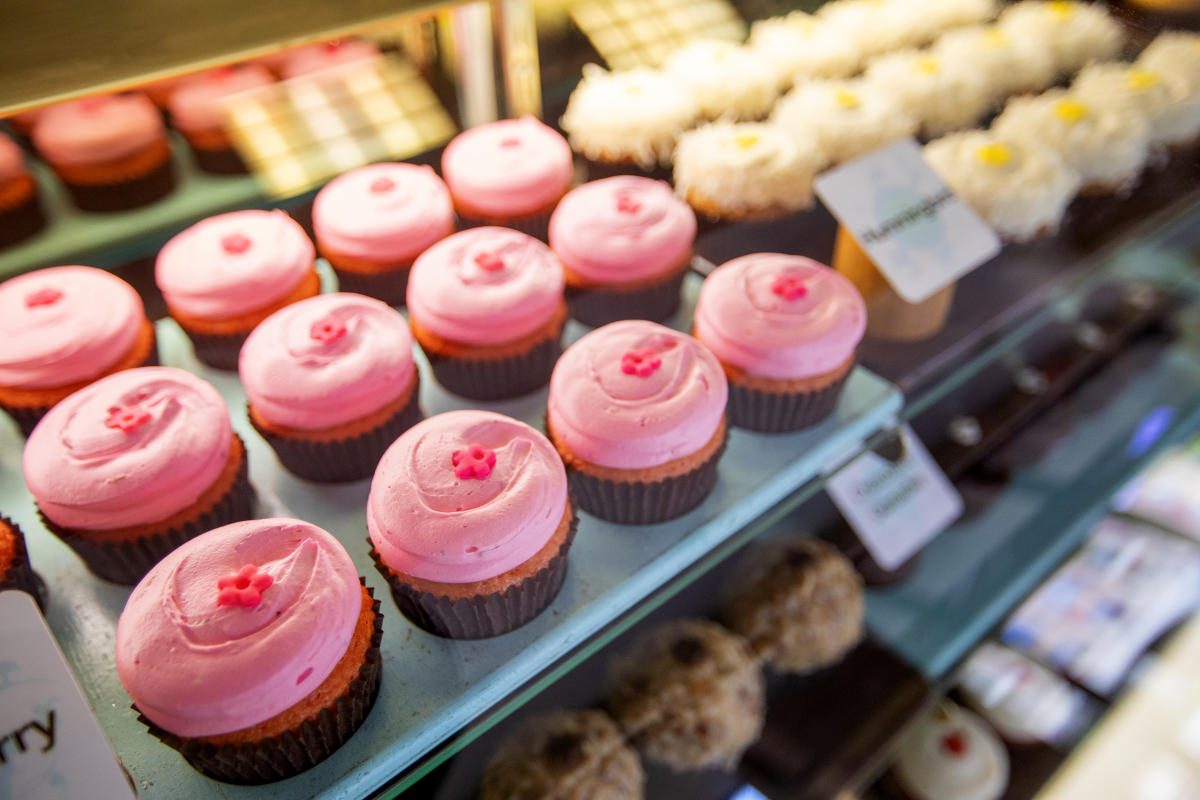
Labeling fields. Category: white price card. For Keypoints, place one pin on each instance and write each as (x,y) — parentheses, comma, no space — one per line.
(918,233)
(51,746)
(896,500)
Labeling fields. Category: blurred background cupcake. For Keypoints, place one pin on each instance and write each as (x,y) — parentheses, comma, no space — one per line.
(315,59)
(372,222)
(567,754)
(512,173)
(637,412)
(625,244)
(942,97)
(846,118)
(1074,33)
(785,329)
(470,523)
(21,213)
(689,695)
(951,754)
(1174,53)
(225,274)
(801,47)
(110,151)
(198,109)
(746,171)
(628,121)
(64,327)
(1166,104)
(486,305)
(132,466)
(728,80)
(1005,65)
(330,384)
(253,650)
(15,571)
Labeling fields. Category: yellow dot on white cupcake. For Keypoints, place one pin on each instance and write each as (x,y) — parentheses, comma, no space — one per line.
(1141,79)
(633,88)
(995,154)
(1062,9)
(1070,111)
(996,38)
(927,64)
(746,141)
(846,98)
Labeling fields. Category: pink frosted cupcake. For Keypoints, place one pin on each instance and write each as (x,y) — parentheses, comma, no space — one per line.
(331,383)
(785,329)
(625,243)
(486,305)
(63,328)
(198,107)
(511,173)
(637,412)
(253,649)
(129,468)
(372,223)
(20,208)
(110,151)
(329,57)
(470,523)
(225,274)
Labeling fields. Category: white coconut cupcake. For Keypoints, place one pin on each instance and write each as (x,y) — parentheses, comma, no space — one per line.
(1162,100)
(1073,33)
(846,118)
(1174,53)
(941,97)
(630,117)
(1022,192)
(1006,65)
(801,47)
(875,26)
(745,170)
(726,79)
(1106,149)
(951,755)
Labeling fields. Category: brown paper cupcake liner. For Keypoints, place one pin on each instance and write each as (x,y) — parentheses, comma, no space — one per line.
(219,351)
(599,306)
(537,226)
(27,417)
(133,193)
(126,562)
(296,749)
(779,412)
(486,615)
(498,378)
(597,170)
(19,574)
(641,502)
(219,162)
(342,460)
(22,221)
(390,286)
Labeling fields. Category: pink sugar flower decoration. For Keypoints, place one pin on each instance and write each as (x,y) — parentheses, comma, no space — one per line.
(789,287)
(235,243)
(43,297)
(381,185)
(474,462)
(243,588)
(127,418)
(642,362)
(489,262)
(627,205)
(327,331)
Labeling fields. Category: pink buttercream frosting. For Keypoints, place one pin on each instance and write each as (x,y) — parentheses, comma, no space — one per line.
(199,103)
(233,263)
(622,229)
(197,665)
(383,212)
(431,519)
(485,286)
(130,449)
(97,129)
(12,163)
(326,360)
(330,55)
(635,394)
(780,316)
(508,168)
(65,324)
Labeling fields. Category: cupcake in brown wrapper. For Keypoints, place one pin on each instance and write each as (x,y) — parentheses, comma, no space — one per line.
(21,213)
(131,193)
(470,523)
(768,407)
(689,694)
(535,225)
(124,555)
(486,306)
(599,305)
(15,571)
(390,286)
(570,755)
(798,602)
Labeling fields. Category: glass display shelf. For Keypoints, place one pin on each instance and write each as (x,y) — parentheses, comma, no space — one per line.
(432,687)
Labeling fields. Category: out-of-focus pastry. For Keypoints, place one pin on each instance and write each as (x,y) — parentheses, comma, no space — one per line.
(198,107)
(847,118)
(951,755)
(566,755)
(1074,33)
(1005,64)
(689,695)
(1174,53)
(746,170)
(941,96)
(727,80)
(627,121)
(1170,110)
(880,26)
(800,46)
(21,213)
